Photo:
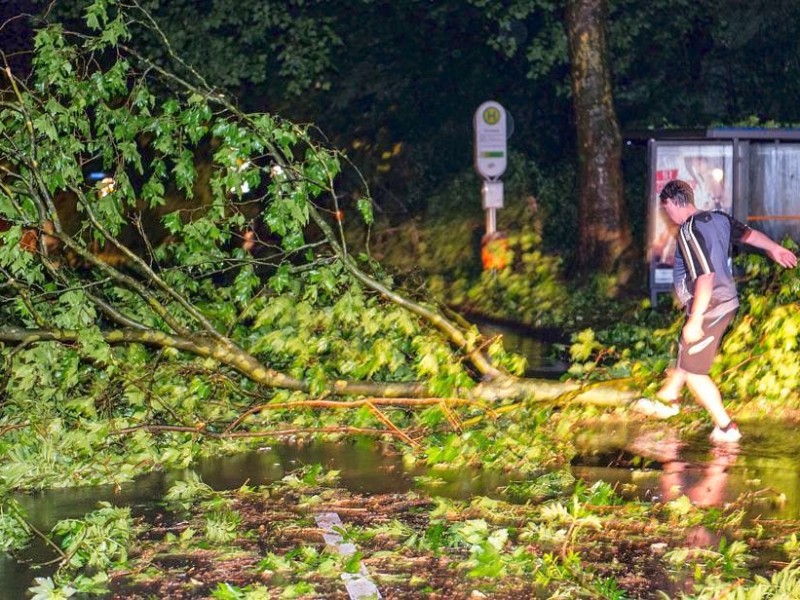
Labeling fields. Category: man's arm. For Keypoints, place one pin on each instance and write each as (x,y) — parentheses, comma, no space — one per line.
(783,256)
(703,286)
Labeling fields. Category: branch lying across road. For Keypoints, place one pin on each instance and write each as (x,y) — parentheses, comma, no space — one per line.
(608,394)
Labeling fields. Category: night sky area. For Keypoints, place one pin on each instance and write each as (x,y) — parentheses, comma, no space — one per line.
(15,33)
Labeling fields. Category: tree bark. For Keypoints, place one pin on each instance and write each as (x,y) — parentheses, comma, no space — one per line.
(604,230)
(610,393)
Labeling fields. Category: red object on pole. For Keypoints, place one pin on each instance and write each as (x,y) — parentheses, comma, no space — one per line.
(495,254)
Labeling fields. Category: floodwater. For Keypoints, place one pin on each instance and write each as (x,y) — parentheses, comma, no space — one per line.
(658,465)
(644,460)
(545,349)
(643,463)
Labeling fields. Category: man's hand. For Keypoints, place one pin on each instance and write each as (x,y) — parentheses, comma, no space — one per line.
(783,256)
(693,330)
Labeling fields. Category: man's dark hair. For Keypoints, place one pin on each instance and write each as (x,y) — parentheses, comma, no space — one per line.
(678,191)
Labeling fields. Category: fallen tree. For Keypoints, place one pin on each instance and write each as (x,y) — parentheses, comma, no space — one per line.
(204,270)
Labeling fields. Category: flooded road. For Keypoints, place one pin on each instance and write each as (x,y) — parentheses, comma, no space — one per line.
(644,460)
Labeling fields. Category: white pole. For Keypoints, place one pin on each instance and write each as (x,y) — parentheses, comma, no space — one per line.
(491,221)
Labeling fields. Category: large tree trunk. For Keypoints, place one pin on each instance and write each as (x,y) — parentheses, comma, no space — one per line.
(604,232)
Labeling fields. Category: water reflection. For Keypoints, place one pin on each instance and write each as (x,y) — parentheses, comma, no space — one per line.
(660,465)
(704,483)
(365,467)
(656,464)
(45,509)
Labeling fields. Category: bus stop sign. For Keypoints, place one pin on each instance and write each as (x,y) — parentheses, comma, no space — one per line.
(491,155)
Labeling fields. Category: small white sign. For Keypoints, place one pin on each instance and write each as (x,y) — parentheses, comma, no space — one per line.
(492,194)
(491,136)
(663,276)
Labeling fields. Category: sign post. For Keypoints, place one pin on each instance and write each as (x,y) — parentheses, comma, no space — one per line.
(491,159)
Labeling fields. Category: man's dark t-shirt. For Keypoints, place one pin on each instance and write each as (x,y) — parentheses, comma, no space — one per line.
(703,247)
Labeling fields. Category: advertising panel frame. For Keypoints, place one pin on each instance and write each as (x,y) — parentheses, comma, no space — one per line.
(709,166)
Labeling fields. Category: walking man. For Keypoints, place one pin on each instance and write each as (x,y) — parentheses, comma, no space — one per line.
(705,287)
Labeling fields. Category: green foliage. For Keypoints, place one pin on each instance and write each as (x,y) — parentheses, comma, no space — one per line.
(92,546)
(782,584)
(199,172)
(633,27)
(576,517)
(444,249)
(529,288)
(544,487)
(758,363)
(728,562)
(226,591)
(609,588)
(599,493)
(299,562)
(792,546)
(485,547)
(222,525)
(762,343)
(15,533)
(189,490)
(559,548)
(100,540)
(546,53)
(584,345)
(311,476)
(46,588)
(182,158)
(329,325)
(522,442)
(158,253)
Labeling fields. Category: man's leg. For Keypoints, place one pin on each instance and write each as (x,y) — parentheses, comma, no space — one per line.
(667,404)
(695,360)
(671,388)
(706,393)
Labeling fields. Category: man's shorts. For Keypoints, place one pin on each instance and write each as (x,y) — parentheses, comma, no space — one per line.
(696,358)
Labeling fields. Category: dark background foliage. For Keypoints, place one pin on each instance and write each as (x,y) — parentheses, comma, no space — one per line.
(397,83)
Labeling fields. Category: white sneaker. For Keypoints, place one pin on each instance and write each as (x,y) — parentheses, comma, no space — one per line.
(656,408)
(728,435)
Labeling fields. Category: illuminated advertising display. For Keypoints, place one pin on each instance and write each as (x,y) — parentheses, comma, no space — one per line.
(708,168)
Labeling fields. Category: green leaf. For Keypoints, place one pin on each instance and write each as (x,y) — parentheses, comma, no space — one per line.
(280,280)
